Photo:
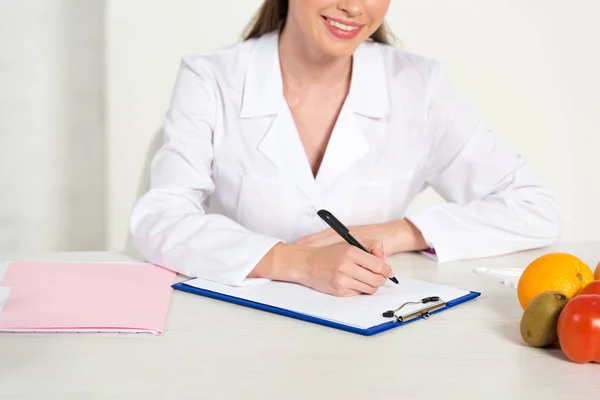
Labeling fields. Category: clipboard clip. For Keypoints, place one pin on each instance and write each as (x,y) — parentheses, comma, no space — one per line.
(434,303)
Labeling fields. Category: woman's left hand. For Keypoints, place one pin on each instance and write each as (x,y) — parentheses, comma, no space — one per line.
(396,236)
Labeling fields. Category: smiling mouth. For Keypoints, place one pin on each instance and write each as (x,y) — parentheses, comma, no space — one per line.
(341,26)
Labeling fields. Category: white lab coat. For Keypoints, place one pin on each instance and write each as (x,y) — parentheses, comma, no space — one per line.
(232,178)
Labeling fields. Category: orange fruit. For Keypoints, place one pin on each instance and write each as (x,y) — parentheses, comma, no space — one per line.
(562,272)
(597,273)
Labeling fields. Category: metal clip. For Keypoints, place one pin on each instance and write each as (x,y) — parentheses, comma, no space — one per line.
(424,313)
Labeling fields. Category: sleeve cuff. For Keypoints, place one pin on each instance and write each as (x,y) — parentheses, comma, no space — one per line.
(263,245)
(233,269)
(435,228)
(430,253)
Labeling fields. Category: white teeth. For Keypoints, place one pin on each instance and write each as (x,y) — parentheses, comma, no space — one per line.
(343,27)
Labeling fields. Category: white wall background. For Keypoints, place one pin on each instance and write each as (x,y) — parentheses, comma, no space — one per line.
(531,69)
(51,148)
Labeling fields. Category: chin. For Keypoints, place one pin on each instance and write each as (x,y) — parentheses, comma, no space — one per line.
(339,51)
(339,48)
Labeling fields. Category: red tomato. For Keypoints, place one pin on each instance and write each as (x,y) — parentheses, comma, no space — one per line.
(591,288)
(579,329)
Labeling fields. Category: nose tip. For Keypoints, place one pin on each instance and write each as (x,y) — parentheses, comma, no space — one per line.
(352,7)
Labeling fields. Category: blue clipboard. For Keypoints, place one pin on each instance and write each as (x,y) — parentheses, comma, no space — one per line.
(276,310)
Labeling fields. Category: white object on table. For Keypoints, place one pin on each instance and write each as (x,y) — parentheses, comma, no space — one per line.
(506,276)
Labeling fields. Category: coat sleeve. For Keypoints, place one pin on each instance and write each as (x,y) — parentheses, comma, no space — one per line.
(495,204)
(168,224)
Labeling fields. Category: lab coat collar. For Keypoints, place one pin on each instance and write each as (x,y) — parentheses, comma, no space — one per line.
(263,96)
(263,88)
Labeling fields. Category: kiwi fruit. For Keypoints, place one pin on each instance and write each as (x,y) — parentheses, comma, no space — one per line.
(540,319)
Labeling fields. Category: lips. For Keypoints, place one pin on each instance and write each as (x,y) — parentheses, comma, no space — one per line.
(342,29)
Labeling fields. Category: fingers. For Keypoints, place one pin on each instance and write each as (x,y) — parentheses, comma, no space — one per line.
(375,247)
(346,285)
(364,277)
(362,288)
(375,264)
(361,272)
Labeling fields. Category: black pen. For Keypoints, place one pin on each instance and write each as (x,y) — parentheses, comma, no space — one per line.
(344,232)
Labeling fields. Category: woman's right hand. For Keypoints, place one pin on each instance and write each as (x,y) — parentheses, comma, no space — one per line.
(344,270)
(340,269)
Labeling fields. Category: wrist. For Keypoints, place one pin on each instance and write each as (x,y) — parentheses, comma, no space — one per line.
(291,262)
(406,237)
(284,262)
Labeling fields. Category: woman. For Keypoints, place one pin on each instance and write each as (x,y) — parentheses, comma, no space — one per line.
(315,109)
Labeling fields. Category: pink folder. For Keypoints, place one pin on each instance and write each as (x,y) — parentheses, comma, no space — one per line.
(47,297)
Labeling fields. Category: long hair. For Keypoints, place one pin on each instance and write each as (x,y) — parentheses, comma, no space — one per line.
(272,15)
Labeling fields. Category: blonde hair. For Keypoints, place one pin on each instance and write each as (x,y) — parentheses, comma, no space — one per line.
(272,14)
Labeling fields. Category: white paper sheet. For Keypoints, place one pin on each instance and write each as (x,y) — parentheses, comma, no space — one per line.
(363,311)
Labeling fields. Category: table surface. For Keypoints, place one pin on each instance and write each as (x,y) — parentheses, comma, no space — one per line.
(216,350)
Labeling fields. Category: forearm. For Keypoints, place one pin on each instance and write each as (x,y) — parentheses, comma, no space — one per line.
(404,237)
(179,236)
(492,227)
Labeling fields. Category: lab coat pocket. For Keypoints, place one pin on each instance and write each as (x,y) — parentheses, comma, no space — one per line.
(381,200)
(364,203)
(271,207)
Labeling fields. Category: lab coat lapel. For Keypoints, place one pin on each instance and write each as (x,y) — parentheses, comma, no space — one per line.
(283,147)
(263,98)
(264,104)
(347,145)
(365,105)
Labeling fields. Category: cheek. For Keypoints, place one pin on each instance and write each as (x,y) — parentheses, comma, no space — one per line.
(307,12)
(310,8)
(377,10)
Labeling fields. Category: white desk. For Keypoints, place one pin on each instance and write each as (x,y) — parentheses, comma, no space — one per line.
(215,350)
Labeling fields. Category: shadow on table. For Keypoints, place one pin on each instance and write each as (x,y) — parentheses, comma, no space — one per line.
(509,310)
(556,352)
(511,331)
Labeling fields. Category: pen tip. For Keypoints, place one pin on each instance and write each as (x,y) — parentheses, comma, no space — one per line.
(393,279)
